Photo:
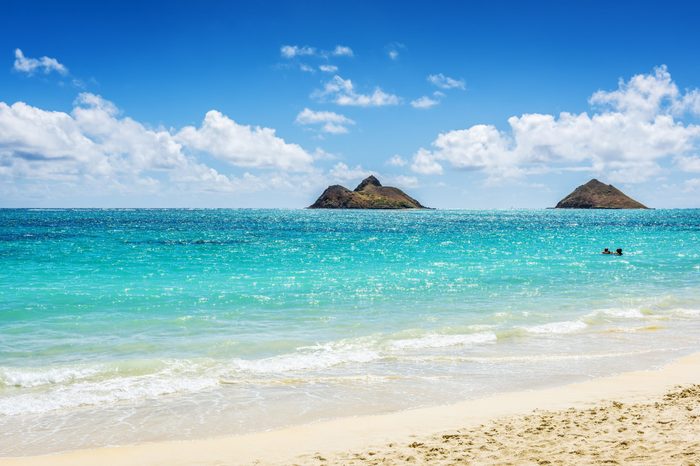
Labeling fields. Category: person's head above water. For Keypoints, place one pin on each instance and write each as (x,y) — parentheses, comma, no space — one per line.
(618,251)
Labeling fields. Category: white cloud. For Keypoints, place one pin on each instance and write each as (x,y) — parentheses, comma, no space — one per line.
(690,164)
(342,92)
(691,185)
(424,102)
(397,161)
(642,97)
(392,50)
(291,51)
(403,181)
(624,141)
(31,65)
(306,68)
(243,145)
(328,68)
(688,103)
(95,149)
(329,122)
(342,51)
(445,82)
(91,143)
(320,154)
(342,172)
(426,163)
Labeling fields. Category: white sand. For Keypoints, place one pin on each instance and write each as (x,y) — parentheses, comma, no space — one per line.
(388,438)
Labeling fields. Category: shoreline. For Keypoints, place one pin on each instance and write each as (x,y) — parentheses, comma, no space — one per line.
(358,433)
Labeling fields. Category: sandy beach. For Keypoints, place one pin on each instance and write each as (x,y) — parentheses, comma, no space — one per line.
(642,417)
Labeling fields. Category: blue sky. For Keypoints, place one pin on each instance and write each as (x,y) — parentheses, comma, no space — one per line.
(226,104)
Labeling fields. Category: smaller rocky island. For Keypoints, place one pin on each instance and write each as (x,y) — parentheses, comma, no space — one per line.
(369,194)
(597,195)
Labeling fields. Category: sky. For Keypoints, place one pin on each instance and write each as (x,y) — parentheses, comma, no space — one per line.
(472,105)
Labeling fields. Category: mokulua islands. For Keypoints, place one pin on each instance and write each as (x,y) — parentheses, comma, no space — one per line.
(369,194)
(597,195)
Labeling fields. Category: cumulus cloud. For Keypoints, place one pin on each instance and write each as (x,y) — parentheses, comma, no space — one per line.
(92,142)
(445,82)
(291,51)
(94,147)
(243,145)
(31,65)
(328,68)
(342,51)
(342,172)
(688,103)
(690,164)
(426,163)
(403,181)
(328,122)
(631,132)
(691,185)
(392,50)
(342,92)
(424,102)
(396,161)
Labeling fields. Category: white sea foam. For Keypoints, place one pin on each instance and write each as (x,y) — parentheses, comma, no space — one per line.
(309,358)
(35,377)
(557,327)
(103,392)
(638,314)
(623,313)
(615,314)
(435,340)
(685,312)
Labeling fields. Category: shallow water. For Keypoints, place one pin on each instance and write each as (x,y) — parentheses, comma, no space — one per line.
(119,326)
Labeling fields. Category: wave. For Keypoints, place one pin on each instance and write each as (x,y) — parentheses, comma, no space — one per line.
(309,358)
(612,314)
(33,377)
(619,313)
(557,327)
(91,393)
(45,389)
(681,312)
(28,378)
(436,340)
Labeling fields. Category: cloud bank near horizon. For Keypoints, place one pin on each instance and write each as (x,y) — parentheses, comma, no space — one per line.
(633,133)
(630,133)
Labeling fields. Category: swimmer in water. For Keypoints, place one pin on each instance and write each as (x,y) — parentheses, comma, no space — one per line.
(618,252)
(607,251)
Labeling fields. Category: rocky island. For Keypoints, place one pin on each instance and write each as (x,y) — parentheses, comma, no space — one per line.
(597,195)
(369,194)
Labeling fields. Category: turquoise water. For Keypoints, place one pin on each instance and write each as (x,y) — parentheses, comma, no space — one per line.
(119,326)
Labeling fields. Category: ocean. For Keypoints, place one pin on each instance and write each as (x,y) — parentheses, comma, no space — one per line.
(118,326)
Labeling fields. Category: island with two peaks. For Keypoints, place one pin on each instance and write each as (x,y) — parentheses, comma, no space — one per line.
(597,195)
(369,194)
